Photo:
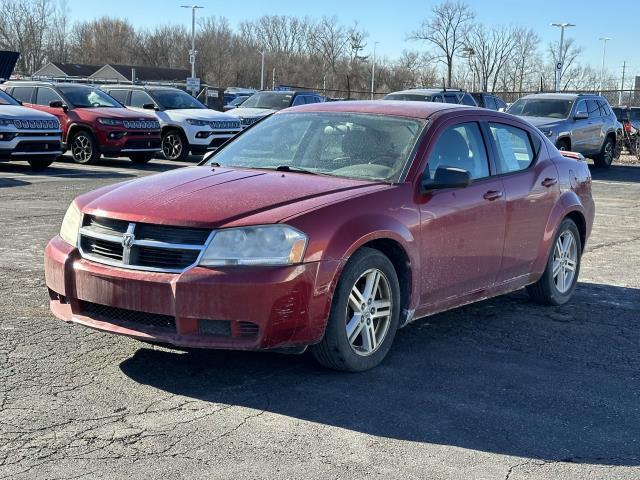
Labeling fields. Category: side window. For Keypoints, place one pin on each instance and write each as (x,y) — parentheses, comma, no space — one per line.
(299,100)
(139,99)
(44,95)
(468,100)
(581,106)
(312,99)
(515,150)
(437,98)
(499,103)
(593,108)
(24,94)
(450,98)
(604,108)
(490,103)
(460,146)
(119,95)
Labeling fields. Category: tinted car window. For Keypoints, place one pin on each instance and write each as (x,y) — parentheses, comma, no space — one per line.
(500,103)
(24,94)
(515,151)
(312,99)
(45,95)
(604,108)
(489,102)
(437,98)
(269,100)
(542,107)
(468,100)
(87,97)
(635,114)
(450,98)
(410,97)
(460,146)
(299,100)
(139,99)
(582,106)
(119,95)
(6,99)
(593,109)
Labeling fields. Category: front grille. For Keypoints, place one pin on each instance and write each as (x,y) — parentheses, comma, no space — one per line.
(142,144)
(122,317)
(141,246)
(27,147)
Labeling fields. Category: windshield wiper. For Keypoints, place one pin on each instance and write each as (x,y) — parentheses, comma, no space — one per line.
(288,168)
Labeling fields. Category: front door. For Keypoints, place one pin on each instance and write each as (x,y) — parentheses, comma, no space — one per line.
(462,230)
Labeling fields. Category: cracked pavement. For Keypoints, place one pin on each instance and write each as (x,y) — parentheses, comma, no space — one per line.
(503,389)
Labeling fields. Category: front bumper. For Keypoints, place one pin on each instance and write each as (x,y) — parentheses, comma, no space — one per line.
(115,141)
(201,307)
(29,145)
(202,140)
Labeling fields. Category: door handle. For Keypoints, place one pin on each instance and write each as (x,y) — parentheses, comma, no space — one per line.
(492,195)
(549,182)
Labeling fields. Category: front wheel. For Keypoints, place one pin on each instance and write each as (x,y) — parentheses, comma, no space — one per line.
(560,277)
(605,158)
(140,158)
(84,148)
(40,163)
(364,314)
(174,145)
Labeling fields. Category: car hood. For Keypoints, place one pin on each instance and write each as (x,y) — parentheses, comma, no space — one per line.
(545,122)
(207,197)
(17,112)
(197,114)
(250,112)
(119,113)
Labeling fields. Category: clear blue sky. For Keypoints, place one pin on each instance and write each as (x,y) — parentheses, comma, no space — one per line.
(389,22)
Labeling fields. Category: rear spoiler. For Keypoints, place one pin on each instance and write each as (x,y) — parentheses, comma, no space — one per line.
(574,155)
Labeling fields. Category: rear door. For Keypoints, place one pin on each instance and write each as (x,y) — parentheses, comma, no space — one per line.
(581,140)
(531,190)
(597,127)
(24,94)
(138,99)
(46,95)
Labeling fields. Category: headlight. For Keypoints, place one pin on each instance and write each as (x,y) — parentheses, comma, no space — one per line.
(110,121)
(199,123)
(265,245)
(71,225)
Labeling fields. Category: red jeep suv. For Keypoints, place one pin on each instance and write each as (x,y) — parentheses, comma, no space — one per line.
(92,122)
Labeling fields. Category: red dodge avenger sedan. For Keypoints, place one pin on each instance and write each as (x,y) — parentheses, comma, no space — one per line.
(330,226)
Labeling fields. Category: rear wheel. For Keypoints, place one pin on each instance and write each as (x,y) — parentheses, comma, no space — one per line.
(605,158)
(174,145)
(364,314)
(40,163)
(141,157)
(84,148)
(560,277)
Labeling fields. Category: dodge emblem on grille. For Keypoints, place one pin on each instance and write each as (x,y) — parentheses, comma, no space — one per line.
(127,240)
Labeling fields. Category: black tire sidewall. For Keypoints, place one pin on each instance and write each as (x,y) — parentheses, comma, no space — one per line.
(335,333)
(601,161)
(549,286)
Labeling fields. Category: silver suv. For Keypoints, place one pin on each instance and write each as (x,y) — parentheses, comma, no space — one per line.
(581,123)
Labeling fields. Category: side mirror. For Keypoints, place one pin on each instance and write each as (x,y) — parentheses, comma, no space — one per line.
(149,106)
(581,115)
(58,104)
(446,177)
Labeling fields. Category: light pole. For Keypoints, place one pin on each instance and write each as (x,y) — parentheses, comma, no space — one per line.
(604,41)
(373,70)
(261,52)
(192,52)
(559,65)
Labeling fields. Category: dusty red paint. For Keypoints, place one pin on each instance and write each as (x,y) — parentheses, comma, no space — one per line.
(460,246)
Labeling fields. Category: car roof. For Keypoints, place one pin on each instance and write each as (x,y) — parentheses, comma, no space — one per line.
(139,87)
(427,91)
(562,96)
(412,109)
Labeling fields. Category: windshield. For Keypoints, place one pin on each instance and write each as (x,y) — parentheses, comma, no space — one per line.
(238,101)
(408,97)
(85,97)
(6,99)
(363,146)
(541,107)
(270,100)
(635,114)
(175,100)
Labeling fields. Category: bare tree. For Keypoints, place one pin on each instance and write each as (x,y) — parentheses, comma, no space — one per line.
(568,57)
(489,51)
(446,30)
(525,53)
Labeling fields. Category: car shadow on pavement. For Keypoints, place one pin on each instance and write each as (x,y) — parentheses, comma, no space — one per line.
(617,173)
(152,166)
(505,376)
(56,170)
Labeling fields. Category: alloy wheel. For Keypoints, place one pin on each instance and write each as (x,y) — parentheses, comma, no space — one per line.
(369,312)
(565,261)
(608,153)
(82,148)
(172,146)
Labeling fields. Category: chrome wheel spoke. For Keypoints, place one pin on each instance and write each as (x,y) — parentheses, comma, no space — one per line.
(354,328)
(371,287)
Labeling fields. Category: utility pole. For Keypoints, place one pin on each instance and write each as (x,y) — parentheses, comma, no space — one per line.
(193,52)
(624,68)
(604,41)
(559,65)
(261,52)
(273,79)
(373,70)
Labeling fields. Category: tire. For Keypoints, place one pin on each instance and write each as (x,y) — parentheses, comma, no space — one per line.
(546,290)
(563,144)
(374,332)
(84,148)
(40,163)
(141,158)
(607,153)
(174,145)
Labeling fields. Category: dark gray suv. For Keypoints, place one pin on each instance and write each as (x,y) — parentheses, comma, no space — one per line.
(581,123)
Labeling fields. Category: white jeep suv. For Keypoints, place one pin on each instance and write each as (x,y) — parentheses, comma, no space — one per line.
(28,134)
(187,125)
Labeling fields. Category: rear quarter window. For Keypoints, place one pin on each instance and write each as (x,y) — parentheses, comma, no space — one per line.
(516,151)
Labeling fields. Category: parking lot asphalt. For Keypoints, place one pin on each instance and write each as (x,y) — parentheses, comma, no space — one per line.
(503,389)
